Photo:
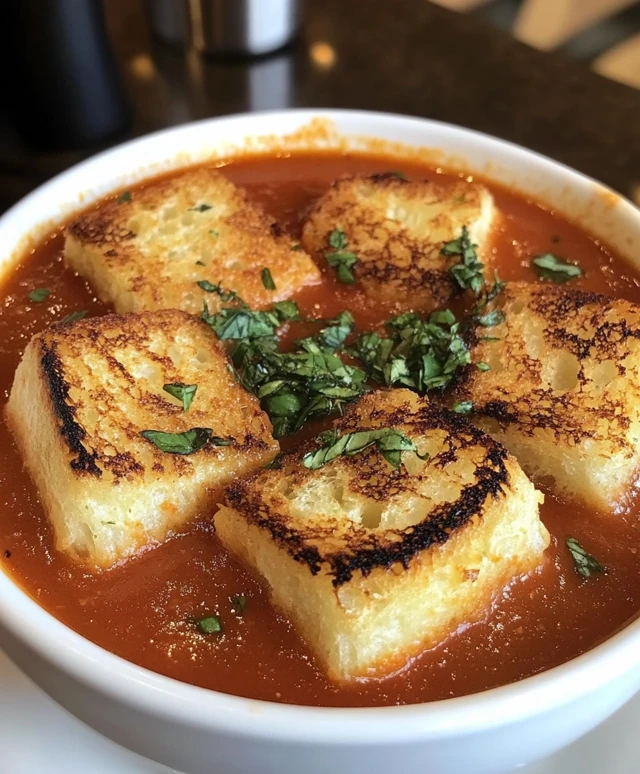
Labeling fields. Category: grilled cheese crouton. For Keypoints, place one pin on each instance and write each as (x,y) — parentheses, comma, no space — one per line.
(563,392)
(148,250)
(82,395)
(396,229)
(372,564)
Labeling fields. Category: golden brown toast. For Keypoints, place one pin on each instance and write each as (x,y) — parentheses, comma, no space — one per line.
(82,395)
(397,228)
(148,250)
(373,564)
(563,389)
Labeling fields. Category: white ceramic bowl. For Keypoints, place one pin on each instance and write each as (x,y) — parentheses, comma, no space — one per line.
(197,731)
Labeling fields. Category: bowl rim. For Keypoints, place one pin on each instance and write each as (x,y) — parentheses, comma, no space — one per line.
(157,695)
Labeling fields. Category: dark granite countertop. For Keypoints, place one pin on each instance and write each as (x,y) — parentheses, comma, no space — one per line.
(404,56)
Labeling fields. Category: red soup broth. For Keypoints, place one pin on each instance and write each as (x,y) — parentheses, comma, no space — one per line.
(142,609)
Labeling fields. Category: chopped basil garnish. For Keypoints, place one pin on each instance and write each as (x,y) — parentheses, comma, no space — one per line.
(215,234)
(239,603)
(340,259)
(483,366)
(124,197)
(464,407)
(331,337)
(287,311)
(267,279)
(39,295)
(492,318)
(200,208)
(390,443)
(189,442)
(210,624)
(74,317)
(184,392)
(225,295)
(469,272)
(422,354)
(296,247)
(552,268)
(584,563)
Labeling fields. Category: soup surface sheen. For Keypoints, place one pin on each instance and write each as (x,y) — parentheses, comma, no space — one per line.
(143,610)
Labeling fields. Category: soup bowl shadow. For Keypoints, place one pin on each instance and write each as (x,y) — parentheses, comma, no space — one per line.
(196,730)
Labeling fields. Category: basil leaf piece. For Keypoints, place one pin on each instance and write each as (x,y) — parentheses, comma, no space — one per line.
(74,317)
(584,564)
(389,442)
(189,442)
(296,247)
(488,320)
(340,259)
(483,366)
(464,407)
(550,267)
(199,208)
(267,279)
(287,311)
(239,603)
(124,197)
(215,234)
(39,295)
(184,392)
(469,272)
(210,624)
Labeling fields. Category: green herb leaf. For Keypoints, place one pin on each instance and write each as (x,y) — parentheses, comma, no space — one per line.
(464,407)
(296,247)
(39,295)
(492,318)
(200,208)
(584,563)
(267,279)
(184,392)
(210,624)
(215,234)
(469,272)
(239,604)
(395,173)
(336,333)
(286,311)
(390,443)
(225,295)
(189,442)
(124,197)
(339,259)
(483,366)
(74,317)
(552,268)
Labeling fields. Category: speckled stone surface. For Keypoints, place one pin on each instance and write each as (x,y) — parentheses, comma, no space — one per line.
(404,56)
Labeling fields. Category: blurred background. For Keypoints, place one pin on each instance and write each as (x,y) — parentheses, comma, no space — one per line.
(605,34)
(559,76)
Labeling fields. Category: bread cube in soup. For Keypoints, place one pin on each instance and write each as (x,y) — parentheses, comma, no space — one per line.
(563,392)
(81,397)
(148,249)
(373,564)
(397,228)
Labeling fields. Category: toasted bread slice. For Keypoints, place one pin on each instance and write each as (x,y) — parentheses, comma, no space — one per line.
(373,565)
(563,392)
(148,250)
(83,393)
(396,228)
